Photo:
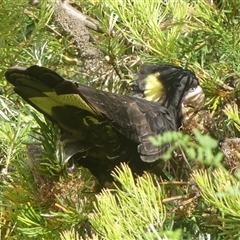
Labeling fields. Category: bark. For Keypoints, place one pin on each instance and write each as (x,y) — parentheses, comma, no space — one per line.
(78,25)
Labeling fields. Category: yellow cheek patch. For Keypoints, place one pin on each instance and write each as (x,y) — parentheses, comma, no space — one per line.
(154,89)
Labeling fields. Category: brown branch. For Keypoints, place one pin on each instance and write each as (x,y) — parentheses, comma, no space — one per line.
(87,21)
(166,200)
(76,24)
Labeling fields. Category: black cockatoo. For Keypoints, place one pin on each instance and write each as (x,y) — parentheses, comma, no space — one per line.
(100,130)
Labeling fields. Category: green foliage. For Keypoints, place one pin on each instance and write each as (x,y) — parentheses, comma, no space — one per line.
(203,149)
(221,191)
(145,23)
(29,37)
(232,112)
(13,131)
(132,211)
(47,134)
(37,199)
(44,202)
(175,31)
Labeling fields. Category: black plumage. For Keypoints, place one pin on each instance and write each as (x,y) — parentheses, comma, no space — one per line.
(102,129)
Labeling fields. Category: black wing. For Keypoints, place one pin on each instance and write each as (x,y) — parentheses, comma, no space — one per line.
(77,109)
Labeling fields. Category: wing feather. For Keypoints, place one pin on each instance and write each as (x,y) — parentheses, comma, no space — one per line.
(63,101)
